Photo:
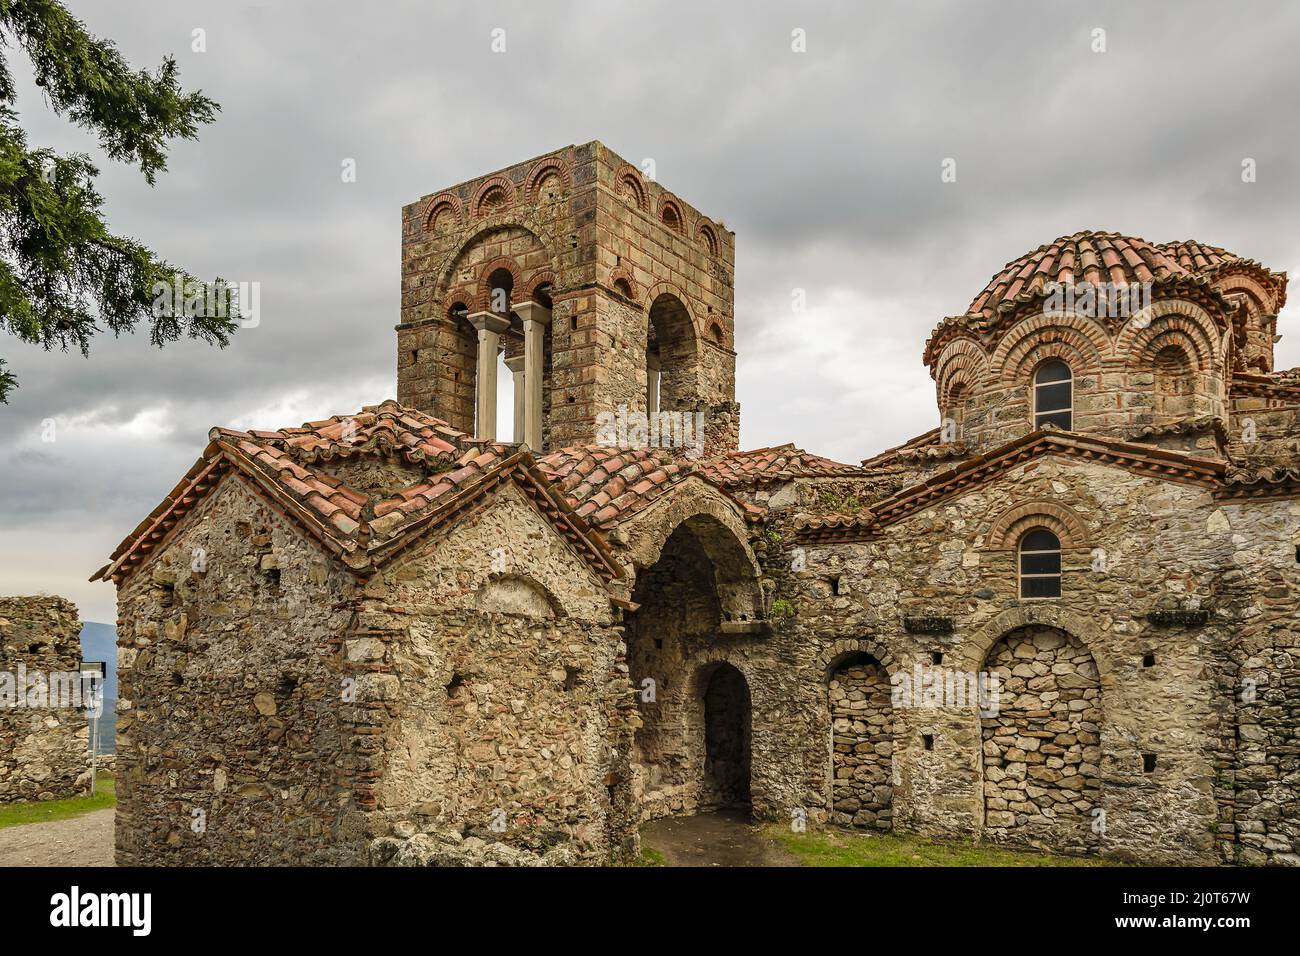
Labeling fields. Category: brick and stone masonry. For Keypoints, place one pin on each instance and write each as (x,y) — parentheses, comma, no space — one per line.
(44,750)
(394,637)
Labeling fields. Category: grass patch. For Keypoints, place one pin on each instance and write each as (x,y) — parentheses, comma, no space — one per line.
(650,856)
(20,814)
(844,848)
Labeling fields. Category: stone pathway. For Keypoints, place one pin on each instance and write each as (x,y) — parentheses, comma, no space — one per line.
(86,840)
(725,838)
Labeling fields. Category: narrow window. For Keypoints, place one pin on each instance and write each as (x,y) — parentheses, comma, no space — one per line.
(927,741)
(1054,395)
(936,657)
(1148,660)
(1148,763)
(1040,564)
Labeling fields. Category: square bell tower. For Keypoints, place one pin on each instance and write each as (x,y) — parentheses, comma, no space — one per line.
(604,293)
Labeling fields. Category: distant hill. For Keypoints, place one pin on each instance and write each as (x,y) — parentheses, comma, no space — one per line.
(99,643)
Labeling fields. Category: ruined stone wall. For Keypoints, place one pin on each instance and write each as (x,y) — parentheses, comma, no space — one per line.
(862,745)
(44,747)
(233,747)
(508,685)
(1167,546)
(1042,747)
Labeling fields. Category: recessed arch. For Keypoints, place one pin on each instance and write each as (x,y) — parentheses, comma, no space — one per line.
(672,345)
(1006,529)
(628,183)
(444,216)
(547,181)
(671,215)
(519,595)
(708,236)
(1080,341)
(493,196)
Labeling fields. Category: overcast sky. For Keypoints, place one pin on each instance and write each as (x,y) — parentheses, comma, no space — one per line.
(825,163)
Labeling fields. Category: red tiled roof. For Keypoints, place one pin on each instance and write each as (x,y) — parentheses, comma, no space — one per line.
(1094,257)
(780,463)
(456,472)
(1142,459)
(606,485)
(1196,257)
(1088,256)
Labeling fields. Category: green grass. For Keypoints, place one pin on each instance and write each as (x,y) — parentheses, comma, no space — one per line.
(845,848)
(19,814)
(650,857)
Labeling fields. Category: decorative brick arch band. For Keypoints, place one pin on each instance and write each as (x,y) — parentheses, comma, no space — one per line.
(440,203)
(496,182)
(1195,324)
(962,363)
(543,169)
(485,228)
(1081,342)
(1006,529)
(621,274)
(629,175)
(831,657)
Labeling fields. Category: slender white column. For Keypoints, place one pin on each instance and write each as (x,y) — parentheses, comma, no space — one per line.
(536,318)
(652,385)
(490,326)
(516,366)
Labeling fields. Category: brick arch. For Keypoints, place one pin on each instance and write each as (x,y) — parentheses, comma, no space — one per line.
(538,277)
(1022,347)
(707,234)
(487,227)
(667,206)
(621,273)
(1006,529)
(476,207)
(630,175)
(483,296)
(1193,321)
(837,651)
(962,362)
(1235,279)
(540,172)
(973,651)
(441,202)
(667,288)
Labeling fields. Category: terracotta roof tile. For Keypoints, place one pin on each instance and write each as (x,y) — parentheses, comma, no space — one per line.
(780,463)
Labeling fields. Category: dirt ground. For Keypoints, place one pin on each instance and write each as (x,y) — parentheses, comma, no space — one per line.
(713,839)
(86,840)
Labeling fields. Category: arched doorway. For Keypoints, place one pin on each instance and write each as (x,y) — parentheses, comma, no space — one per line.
(685,750)
(862,743)
(727,731)
(1042,747)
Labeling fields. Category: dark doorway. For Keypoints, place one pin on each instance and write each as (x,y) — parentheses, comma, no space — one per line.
(726,739)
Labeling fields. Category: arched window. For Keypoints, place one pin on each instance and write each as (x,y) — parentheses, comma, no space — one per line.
(1040,564)
(1054,395)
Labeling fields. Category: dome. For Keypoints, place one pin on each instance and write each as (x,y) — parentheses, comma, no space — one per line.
(1095,257)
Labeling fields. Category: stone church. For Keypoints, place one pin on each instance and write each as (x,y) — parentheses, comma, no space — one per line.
(1063,619)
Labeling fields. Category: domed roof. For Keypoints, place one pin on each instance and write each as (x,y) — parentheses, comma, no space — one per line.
(1094,257)
(1197,257)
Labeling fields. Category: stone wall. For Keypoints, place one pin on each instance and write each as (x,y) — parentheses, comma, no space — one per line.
(1042,747)
(862,745)
(233,746)
(44,743)
(1166,691)
(508,690)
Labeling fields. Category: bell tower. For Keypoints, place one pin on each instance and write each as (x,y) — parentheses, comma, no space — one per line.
(605,294)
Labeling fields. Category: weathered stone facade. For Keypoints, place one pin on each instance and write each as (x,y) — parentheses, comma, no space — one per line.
(44,742)
(1064,619)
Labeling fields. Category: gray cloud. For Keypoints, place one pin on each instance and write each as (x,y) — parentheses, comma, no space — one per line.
(826,164)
